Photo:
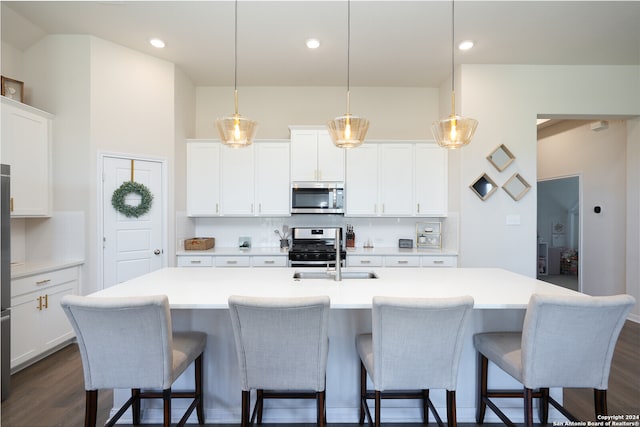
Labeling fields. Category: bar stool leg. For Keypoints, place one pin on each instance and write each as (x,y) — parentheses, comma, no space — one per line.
(481,394)
(451,409)
(600,402)
(91,408)
(528,407)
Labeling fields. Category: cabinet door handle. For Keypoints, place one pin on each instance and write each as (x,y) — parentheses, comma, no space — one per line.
(39,303)
(46,301)
(418,208)
(217,208)
(11,205)
(42,282)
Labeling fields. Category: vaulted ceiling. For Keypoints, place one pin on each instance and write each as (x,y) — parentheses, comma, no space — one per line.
(393,43)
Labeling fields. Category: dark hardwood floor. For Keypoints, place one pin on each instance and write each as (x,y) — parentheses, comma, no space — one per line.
(50,393)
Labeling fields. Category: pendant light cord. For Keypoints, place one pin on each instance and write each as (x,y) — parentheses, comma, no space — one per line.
(348,42)
(453,32)
(235,48)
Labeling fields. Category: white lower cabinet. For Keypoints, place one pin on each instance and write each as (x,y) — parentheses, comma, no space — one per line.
(439,261)
(364,261)
(401,261)
(38,323)
(269,261)
(195,261)
(232,260)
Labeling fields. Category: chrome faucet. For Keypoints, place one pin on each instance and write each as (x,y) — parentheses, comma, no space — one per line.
(338,243)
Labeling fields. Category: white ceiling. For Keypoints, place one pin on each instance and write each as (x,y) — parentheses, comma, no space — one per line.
(393,43)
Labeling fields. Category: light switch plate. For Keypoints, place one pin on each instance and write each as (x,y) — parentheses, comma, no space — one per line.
(513,219)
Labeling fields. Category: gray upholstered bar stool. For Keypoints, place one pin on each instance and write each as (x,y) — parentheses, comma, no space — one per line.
(282,346)
(414,346)
(128,343)
(566,341)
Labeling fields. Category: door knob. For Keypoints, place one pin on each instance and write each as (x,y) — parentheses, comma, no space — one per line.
(157,252)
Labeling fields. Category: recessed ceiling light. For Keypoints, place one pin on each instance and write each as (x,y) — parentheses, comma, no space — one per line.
(157,43)
(313,43)
(466,45)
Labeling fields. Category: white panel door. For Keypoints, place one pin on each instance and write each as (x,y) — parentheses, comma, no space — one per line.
(131,246)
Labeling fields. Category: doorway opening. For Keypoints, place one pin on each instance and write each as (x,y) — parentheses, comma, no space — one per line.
(559,231)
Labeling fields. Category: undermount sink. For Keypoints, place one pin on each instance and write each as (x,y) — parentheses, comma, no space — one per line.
(330,275)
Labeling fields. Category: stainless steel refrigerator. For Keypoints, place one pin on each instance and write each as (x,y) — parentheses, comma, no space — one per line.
(5,280)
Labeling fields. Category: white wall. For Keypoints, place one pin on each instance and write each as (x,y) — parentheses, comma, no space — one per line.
(600,160)
(506,99)
(633,211)
(106,98)
(400,113)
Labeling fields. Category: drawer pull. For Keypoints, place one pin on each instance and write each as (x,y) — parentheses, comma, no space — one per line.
(269,261)
(195,261)
(404,261)
(42,282)
(232,262)
(438,262)
(365,261)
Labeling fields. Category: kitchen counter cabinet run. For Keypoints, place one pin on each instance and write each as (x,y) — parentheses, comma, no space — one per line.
(198,299)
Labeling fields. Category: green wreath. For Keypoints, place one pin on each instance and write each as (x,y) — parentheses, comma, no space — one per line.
(118,202)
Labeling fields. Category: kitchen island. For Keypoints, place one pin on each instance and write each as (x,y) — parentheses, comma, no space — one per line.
(198,299)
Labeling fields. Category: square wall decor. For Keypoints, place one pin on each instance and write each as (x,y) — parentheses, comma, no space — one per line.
(501,157)
(516,187)
(484,186)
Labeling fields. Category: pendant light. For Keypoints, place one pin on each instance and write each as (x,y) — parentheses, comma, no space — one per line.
(454,131)
(348,131)
(236,131)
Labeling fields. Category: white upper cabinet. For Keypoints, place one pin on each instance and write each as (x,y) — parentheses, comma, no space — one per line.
(396,179)
(237,194)
(361,186)
(272,178)
(26,147)
(314,157)
(431,180)
(203,178)
(249,181)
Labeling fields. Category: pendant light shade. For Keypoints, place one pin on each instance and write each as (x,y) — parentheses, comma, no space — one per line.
(235,130)
(348,131)
(454,131)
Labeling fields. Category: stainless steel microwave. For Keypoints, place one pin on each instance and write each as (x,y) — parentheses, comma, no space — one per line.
(317,198)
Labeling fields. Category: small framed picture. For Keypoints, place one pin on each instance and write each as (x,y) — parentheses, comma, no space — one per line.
(12,89)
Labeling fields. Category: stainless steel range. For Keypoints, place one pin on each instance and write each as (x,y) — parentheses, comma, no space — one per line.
(315,247)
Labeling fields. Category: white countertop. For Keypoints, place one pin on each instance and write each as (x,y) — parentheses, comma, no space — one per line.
(206,288)
(29,268)
(380,251)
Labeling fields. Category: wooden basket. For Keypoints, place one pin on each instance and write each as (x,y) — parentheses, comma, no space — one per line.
(199,243)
